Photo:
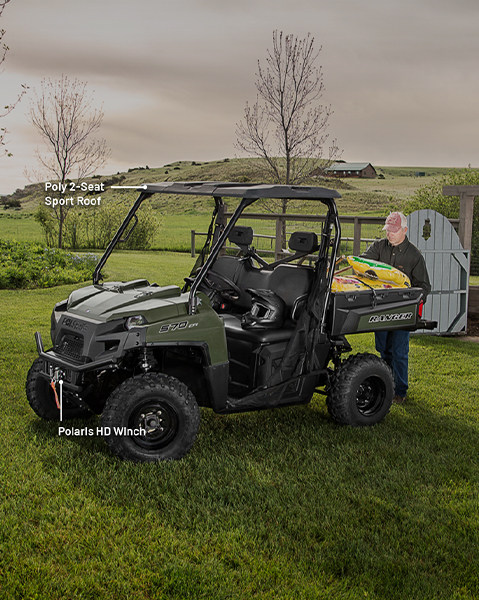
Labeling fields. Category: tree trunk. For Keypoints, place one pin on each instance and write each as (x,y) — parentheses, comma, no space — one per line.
(285,201)
(283,224)
(60,228)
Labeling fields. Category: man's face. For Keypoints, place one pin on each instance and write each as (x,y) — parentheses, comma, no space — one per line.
(398,237)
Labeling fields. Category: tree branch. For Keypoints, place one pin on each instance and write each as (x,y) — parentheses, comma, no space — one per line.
(287,126)
(63,116)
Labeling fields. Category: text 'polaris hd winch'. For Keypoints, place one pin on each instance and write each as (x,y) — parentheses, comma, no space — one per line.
(241,335)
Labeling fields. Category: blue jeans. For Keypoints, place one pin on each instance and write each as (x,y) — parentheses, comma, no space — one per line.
(393,346)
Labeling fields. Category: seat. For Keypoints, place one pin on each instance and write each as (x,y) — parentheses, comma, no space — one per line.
(290,282)
(233,329)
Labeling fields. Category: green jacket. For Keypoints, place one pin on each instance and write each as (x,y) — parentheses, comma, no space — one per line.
(405,257)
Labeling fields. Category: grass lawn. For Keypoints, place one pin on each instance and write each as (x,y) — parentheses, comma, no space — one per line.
(20,227)
(279,504)
(164,268)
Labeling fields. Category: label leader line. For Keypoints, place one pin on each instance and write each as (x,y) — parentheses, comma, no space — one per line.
(128,187)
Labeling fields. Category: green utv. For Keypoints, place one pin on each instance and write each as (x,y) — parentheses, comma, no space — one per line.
(241,335)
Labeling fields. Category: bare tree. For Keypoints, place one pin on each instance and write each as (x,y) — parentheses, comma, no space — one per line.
(286,128)
(9,107)
(63,115)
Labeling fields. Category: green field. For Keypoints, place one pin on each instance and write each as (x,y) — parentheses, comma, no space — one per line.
(19,226)
(278,504)
(179,215)
(160,267)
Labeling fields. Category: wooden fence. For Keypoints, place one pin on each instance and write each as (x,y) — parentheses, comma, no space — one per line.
(357,238)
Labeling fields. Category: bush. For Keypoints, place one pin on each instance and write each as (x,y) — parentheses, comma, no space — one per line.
(48,223)
(9,202)
(94,227)
(31,265)
(430,196)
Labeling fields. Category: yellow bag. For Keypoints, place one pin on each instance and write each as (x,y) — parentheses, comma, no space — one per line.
(349,284)
(346,284)
(378,271)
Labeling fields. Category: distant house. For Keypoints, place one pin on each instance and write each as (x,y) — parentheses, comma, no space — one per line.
(345,169)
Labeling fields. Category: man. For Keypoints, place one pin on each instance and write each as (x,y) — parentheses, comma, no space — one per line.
(397,250)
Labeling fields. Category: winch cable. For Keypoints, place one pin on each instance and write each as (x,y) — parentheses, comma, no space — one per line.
(52,385)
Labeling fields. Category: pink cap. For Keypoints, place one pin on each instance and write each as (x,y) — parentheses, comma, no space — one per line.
(395,222)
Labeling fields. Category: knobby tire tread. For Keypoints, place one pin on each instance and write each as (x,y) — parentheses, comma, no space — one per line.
(129,390)
(337,400)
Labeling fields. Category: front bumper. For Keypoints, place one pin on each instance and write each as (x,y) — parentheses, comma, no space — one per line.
(73,370)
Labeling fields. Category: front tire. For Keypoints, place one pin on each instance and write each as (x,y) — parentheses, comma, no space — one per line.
(361,392)
(160,406)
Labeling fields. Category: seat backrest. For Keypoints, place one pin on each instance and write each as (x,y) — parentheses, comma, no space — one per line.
(229,266)
(288,281)
(241,236)
(245,275)
(303,241)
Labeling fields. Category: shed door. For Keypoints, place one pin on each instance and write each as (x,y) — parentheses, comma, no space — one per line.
(448,267)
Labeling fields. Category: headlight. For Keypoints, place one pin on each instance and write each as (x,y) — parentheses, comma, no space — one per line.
(135,321)
(56,315)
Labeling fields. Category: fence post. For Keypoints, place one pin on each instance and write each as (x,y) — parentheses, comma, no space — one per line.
(466,195)
(193,249)
(466,211)
(357,237)
(220,224)
(277,242)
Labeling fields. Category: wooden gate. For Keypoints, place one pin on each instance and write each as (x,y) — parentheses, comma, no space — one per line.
(448,267)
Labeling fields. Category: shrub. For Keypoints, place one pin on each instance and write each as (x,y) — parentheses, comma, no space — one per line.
(430,196)
(9,202)
(31,265)
(48,223)
(94,227)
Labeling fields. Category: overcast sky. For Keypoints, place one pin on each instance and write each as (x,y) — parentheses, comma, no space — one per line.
(174,75)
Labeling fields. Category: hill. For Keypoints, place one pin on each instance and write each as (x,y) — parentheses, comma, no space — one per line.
(179,214)
(396,184)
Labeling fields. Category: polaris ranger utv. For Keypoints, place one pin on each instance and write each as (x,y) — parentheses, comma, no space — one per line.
(241,335)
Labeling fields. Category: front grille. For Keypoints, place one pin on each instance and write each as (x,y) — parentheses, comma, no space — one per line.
(71,345)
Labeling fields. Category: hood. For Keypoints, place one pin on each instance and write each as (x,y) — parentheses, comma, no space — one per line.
(114,300)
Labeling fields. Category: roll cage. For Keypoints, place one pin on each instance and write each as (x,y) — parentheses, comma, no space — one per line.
(218,233)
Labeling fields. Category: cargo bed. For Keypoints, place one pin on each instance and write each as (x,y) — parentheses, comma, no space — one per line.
(374,310)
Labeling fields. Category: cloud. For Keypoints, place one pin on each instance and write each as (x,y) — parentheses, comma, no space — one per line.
(174,77)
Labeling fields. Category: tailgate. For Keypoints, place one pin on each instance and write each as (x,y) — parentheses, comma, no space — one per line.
(375,310)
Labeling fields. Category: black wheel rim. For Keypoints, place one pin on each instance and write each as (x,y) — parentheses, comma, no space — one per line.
(370,396)
(158,420)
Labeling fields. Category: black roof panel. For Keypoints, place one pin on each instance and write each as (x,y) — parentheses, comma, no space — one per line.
(240,190)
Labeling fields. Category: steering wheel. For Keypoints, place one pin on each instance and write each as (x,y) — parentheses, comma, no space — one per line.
(216,283)
(220,284)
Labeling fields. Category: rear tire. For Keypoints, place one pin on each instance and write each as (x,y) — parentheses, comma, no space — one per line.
(361,392)
(41,398)
(162,406)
